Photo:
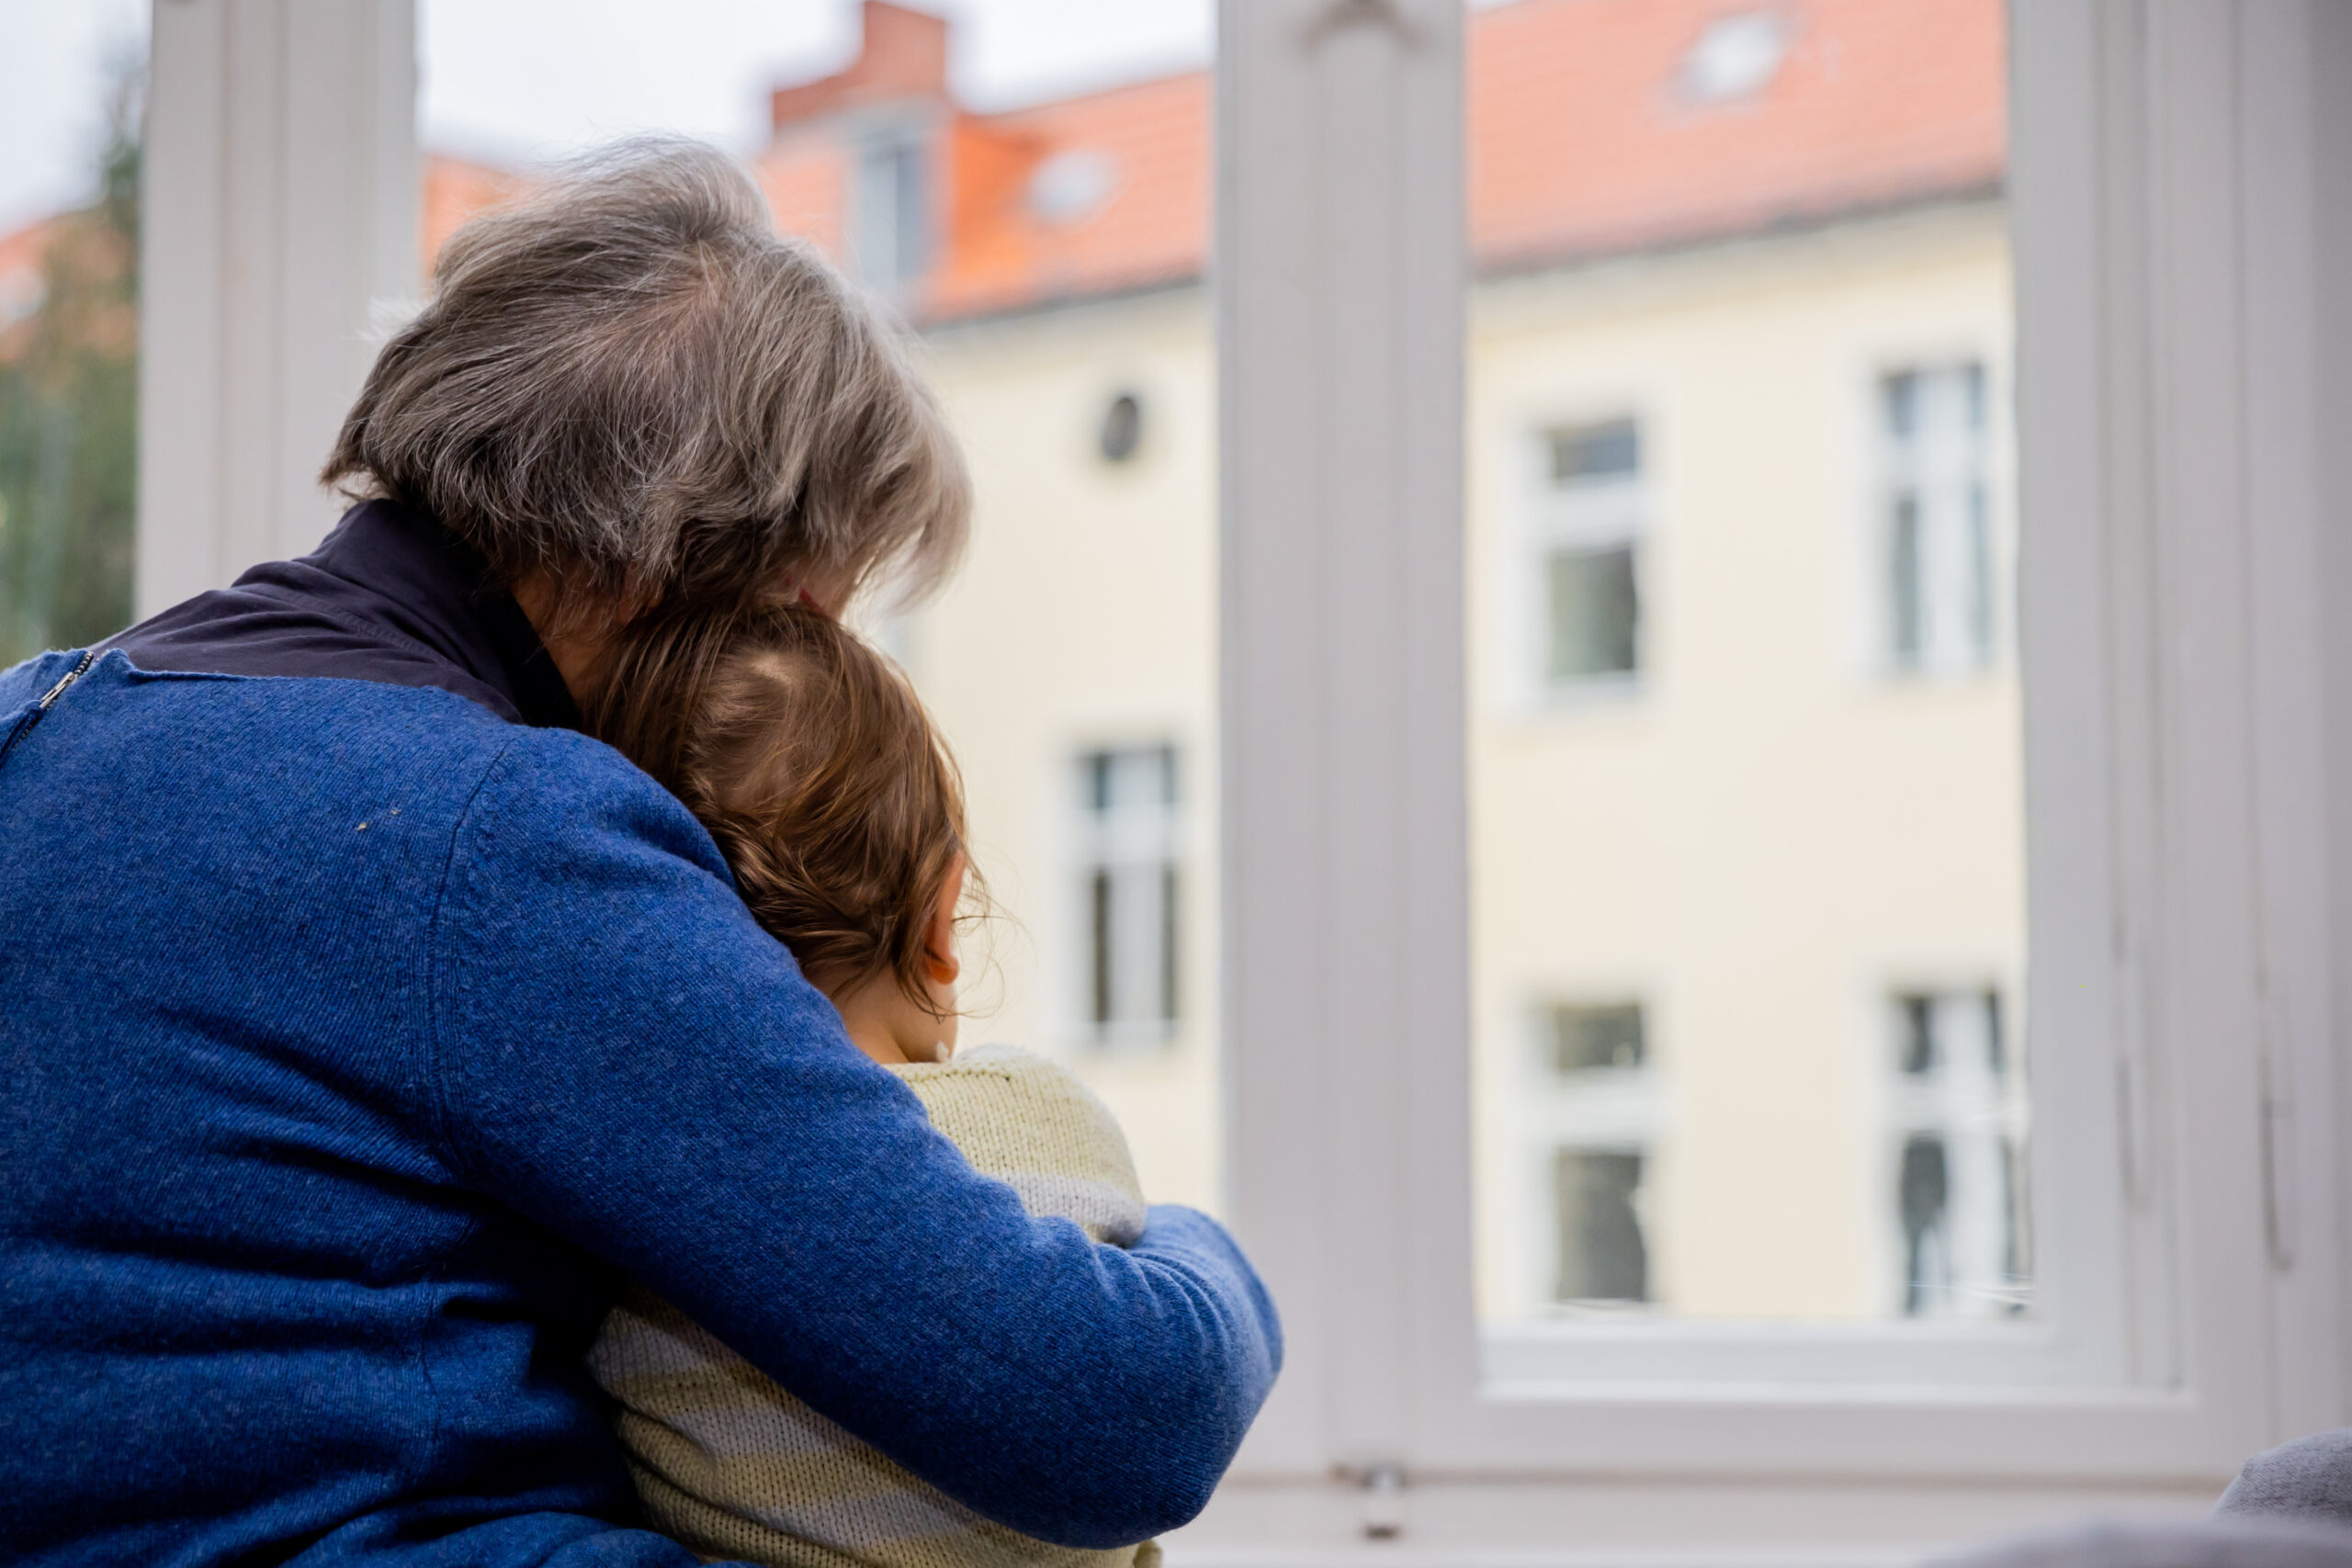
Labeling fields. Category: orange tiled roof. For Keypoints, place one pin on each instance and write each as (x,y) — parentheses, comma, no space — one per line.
(1589,133)
(1146,147)
(1586,134)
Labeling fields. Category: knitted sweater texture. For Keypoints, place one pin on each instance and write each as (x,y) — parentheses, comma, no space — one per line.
(355,1042)
(733,1466)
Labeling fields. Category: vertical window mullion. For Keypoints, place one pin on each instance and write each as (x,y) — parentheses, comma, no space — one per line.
(1339,266)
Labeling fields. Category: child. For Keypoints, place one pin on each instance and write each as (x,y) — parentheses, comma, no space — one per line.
(814,767)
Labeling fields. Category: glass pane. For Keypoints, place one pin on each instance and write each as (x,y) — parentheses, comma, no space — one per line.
(1040,215)
(1594,612)
(69,323)
(1596,452)
(1603,1258)
(1748,936)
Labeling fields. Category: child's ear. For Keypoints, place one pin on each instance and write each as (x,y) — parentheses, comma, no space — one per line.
(939,941)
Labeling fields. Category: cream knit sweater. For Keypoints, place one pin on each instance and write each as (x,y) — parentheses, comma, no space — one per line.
(734,1467)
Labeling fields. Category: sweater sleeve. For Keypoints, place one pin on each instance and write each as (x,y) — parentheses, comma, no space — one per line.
(621,1054)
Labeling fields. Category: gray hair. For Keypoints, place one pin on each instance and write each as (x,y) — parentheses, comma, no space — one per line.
(629,381)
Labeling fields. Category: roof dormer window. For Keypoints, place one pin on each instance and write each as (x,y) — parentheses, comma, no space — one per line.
(1735,57)
(1072,184)
(892,209)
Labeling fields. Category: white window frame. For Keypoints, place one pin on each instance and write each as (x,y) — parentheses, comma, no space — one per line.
(277,234)
(1544,1112)
(2165,212)
(1862,580)
(1616,512)
(2185,707)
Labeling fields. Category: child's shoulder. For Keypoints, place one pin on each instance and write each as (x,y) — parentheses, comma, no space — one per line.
(1009,1089)
(1029,1121)
(991,1061)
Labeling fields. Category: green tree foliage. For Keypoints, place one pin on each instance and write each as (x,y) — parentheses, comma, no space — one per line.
(69,423)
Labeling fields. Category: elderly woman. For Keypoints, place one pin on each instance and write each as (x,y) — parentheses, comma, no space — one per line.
(364,1025)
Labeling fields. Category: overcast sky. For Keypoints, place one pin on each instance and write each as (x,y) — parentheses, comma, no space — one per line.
(513,79)
(53,64)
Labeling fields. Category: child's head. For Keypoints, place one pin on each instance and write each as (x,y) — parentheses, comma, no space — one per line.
(813,765)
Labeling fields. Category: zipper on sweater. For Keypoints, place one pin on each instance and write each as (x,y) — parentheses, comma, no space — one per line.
(49,699)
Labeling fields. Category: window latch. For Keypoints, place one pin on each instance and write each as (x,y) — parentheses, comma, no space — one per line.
(1343,15)
(1383,1486)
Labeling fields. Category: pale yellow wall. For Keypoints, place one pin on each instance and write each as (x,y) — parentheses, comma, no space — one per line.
(1770,833)
(1085,616)
(1759,842)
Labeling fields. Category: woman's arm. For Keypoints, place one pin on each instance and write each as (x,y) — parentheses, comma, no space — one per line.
(621,1054)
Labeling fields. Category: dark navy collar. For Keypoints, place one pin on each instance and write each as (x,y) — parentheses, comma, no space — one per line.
(390,596)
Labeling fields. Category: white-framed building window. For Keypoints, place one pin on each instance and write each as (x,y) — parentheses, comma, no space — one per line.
(1130,893)
(1595,1077)
(1576,1140)
(1936,507)
(1584,539)
(1959,1141)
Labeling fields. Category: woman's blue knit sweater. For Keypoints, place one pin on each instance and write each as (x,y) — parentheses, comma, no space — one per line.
(354,1039)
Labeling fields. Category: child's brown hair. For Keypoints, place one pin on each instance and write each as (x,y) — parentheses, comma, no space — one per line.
(810,761)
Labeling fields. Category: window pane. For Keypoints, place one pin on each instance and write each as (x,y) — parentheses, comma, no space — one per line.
(1588,1039)
(1072,662)
(1131,844)
(1039,216)
(68,327)
(1962,1111)
(1596,452)
(1602,1256)
(892,211)
(1748,935)
(1941,548)
(1594,612)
